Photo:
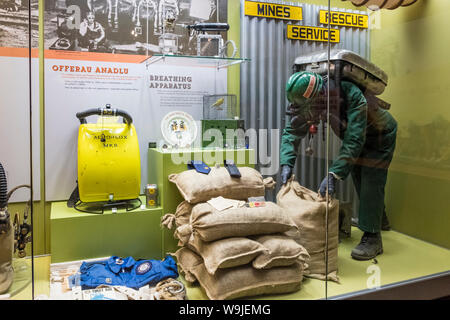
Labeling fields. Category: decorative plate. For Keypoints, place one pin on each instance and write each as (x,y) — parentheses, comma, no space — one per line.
(179,129)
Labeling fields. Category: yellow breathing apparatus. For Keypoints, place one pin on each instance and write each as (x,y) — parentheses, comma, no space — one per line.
(109,166)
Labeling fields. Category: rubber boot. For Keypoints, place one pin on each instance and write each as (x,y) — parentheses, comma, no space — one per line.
(370,246)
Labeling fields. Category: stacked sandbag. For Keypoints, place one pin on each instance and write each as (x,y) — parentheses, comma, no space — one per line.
(241,281)
(197,187)
(309,212)
(209,224)
(239,251)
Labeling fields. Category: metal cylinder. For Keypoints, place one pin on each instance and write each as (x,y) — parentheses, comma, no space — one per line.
(6,257)
(6,236)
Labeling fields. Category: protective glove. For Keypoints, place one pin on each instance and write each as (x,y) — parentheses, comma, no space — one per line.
(331,180)
(286,173)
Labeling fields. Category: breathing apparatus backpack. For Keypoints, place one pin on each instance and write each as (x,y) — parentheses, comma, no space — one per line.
(346,65)
(109,166)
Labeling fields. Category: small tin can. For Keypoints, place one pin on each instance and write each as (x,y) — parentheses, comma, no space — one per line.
(151,195)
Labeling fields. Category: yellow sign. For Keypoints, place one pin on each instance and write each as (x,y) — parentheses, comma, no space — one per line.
(295,32)
(344,19)
(273,10)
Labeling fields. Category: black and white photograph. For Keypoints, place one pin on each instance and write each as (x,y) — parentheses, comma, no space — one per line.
(14,23)
(142,27)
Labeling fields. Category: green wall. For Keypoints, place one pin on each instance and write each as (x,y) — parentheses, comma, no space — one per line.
(413,48)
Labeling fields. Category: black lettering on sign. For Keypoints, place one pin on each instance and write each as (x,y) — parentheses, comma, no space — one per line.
(347,21)
(273,10)
(344,19)
(308,33)
(360,21)
(287,12)
(332,35)
(303,33)
(279,12)
(261,9)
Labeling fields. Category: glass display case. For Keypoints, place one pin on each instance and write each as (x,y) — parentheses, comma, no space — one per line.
(260,150)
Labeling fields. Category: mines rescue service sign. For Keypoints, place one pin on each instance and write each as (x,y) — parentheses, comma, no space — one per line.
(273,10)
(307,33)
(344,19)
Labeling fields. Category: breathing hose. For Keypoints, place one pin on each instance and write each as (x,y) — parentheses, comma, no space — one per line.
(3,189)
(5,223)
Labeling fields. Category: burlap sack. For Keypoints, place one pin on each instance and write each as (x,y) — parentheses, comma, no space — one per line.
(209,224)
(281,251)
(6,257)
(197,187)
(180,217)
(226,253)
(308,210)
(243,281)
(187,260)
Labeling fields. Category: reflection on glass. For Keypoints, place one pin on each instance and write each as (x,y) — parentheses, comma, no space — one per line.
(18,45)
(342,103)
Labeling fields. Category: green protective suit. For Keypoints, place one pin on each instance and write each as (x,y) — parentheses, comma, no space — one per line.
(368,144)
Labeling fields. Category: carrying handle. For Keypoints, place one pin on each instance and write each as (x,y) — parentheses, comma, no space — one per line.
(107,111)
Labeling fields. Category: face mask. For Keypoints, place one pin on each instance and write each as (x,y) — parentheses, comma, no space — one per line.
(300,114)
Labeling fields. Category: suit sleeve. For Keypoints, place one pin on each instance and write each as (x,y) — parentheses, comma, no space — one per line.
(290,142)
(355,134)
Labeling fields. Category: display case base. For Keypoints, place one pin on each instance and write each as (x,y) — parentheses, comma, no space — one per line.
(410,269)
(76,235)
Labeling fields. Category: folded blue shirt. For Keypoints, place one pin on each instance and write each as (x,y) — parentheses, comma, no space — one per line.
(127,272)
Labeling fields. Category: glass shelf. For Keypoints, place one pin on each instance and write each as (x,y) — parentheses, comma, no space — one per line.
(195,61)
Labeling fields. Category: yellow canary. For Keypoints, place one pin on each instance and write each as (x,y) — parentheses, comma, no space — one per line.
(219,102)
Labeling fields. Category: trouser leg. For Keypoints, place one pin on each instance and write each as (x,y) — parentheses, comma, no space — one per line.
(356,178)
(371,205)
(376,156)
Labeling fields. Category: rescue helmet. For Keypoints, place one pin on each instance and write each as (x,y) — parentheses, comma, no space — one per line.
(303,86)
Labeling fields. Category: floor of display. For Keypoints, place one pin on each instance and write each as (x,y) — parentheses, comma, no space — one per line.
(404,258)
